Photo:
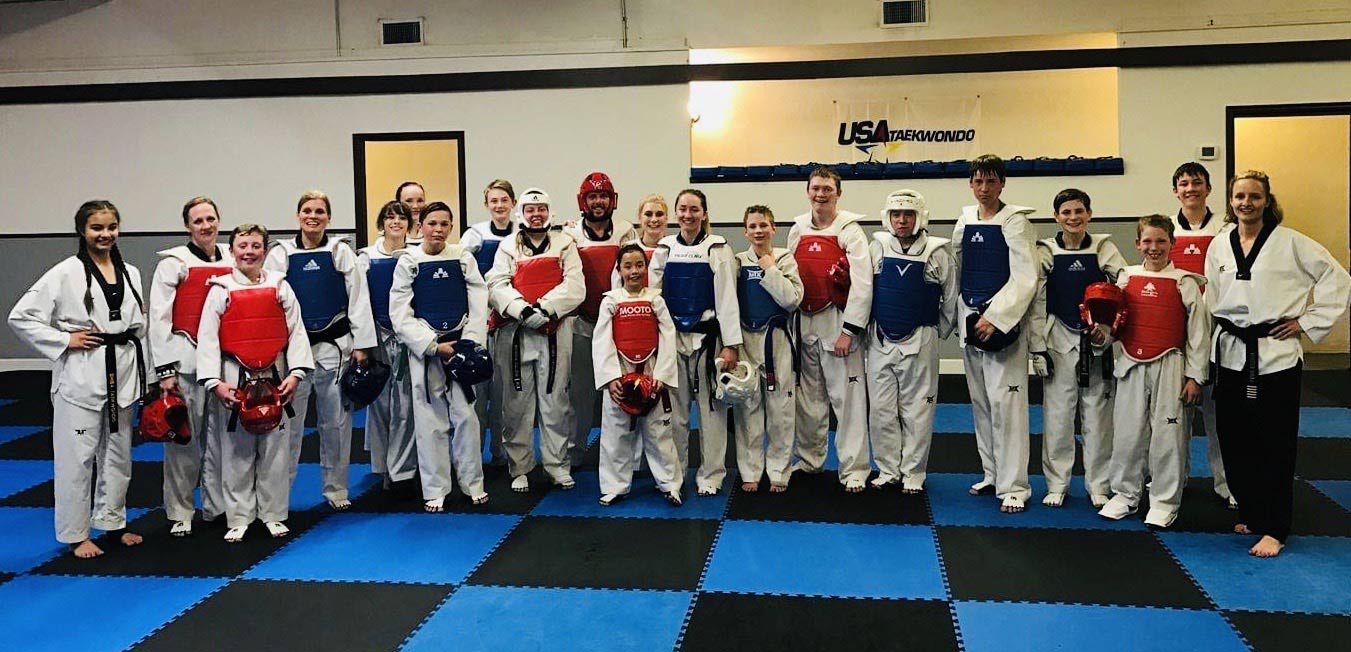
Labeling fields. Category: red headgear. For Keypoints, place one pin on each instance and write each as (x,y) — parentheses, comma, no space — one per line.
(839,282)
(1104,303)
(165,418)
(637,394)
(260,406)
(597,182)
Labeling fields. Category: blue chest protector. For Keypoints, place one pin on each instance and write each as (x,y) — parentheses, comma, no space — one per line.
(985,263)
(487,252)
(687,286)
(440,296)
(319,287)
(380,277)
(902,301)
(1070,274)
(758,308)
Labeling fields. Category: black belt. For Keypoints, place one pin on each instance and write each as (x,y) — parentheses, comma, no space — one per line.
(330,333)
(516,359)
(710,330)
(1086,358)
(1249,335)
(771,378)
(110,342)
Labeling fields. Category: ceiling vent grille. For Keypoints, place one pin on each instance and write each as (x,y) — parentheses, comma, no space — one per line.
(904,13)
(401,32)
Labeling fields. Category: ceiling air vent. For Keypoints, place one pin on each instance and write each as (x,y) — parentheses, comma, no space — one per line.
(904,13)
(401,32)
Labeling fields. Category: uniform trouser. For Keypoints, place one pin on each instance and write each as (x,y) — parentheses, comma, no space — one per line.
(712,420)
(1214,455)
(621,437)
(997,382)
(256,471)
(334,425)
(84,451)
(582,392)
(904,393)
(521,409)
(389,419)
(1259,439)
(829,382)
(448,432)
(488,407)
(1151,428)
(196,463)
(764,425)
(1062,397)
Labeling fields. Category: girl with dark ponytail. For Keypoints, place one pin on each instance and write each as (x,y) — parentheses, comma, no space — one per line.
(88,302)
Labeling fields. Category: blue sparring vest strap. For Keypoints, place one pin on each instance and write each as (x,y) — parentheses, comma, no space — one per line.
(902,300)
(380,277)
(758,308)
(687,285)
(486,254)
(985,263)
(319,287)
(1071,273)
(440,296)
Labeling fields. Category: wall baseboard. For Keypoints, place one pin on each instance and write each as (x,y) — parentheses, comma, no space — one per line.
(25,364)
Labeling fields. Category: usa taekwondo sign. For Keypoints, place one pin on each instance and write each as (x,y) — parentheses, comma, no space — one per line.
(940,129)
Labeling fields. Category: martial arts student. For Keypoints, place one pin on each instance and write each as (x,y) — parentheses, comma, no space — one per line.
(1065,353)
(252,327)
(832,374)
(769,290)
(177,292)
(652,216)
(696,274)
(995,245)
(598,235)
(482,239)
(1194,227)
(413,196)
(1162,360)
(1260,276)
(914,308)
(86,316)
(323,273)
(389,419)
(634,333)
(438,298)
(535,283)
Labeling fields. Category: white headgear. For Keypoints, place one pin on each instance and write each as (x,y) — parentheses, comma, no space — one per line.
(738,385)
(533,196)
(903,200)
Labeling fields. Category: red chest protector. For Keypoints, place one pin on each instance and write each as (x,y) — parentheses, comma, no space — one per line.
(253,327)
(635,329)
(1189,252)
(598,261)
(536,276)
(190,296)
(1157,321)
(815,255)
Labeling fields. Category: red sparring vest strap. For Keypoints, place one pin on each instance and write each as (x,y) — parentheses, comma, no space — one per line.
(1156,319)
(190,296)
(598,261)
(253,327)
(1189,252)
(636,332)
(815,255)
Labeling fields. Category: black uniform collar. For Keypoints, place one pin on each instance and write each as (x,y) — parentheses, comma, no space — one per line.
(1060,242)
(202,255)
(1186,224)
(300,244)
(604,235)
(681,238)
(499,233)
(1245,263)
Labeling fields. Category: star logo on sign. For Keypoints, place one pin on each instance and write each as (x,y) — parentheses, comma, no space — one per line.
(1013,389)
(1172,420)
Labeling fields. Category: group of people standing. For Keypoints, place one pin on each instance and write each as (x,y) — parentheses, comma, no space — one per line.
(648,328)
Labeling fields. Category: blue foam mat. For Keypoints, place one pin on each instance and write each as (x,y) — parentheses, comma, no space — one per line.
(1311,575)
(643,500)
(306,491)
(31,537)
(1325,422)
(17,475)
(1012,627)
(10,433)
(953,504)
(958,418)
(1338,490)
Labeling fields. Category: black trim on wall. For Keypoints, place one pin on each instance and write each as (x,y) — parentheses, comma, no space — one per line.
(1128,57)
(224,235)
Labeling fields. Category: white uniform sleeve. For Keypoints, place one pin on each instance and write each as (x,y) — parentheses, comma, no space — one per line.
(1111,261)
(784,283)
(472,240)
(658,266)
(476,328)
(1331,286)
(1011,302)
(32,316)
(945,264)
(566,296)
(604,355)
(163,287)
(860,304)
(1197,365)
(413,332)
(299,356)
(277,259)
(208,337)
(665,368)
(727,307)
(358,298)
(1037,322)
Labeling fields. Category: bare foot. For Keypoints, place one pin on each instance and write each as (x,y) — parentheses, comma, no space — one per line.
(1266,547)
(130,539)
(778,488)
(1242,529)
(480,500)
(750,487)
(87,550)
